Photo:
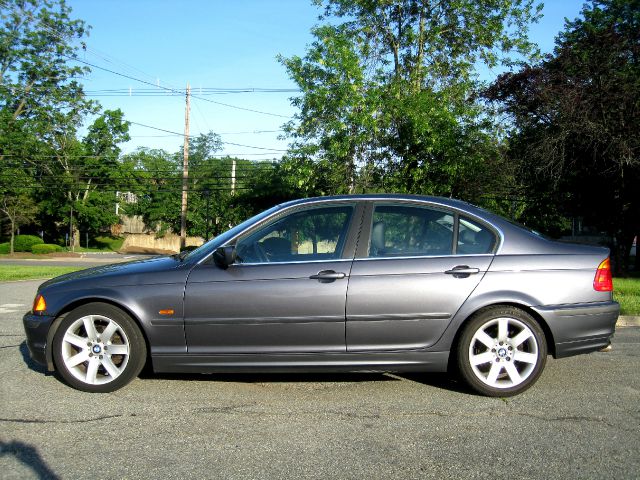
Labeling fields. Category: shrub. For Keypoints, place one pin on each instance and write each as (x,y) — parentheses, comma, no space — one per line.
(46,248)
(4,247)
(23,243)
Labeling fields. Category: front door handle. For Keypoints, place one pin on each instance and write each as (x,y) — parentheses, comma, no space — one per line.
(328,275)
(462,271)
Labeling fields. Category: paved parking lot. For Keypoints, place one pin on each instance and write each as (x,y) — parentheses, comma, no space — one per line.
(581,420)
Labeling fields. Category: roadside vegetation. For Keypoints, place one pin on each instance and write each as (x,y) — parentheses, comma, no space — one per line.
(32,272)
(626,291)
(34,244)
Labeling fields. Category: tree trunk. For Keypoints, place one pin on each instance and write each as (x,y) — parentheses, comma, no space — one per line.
(76,237)
(13,229)
(637,263)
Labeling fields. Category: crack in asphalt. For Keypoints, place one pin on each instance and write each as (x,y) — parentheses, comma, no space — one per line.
(226,409)
(39,420)
(376,415)
(241,409)
(11,346)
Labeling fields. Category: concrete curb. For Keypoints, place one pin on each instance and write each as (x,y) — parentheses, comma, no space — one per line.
(628,321)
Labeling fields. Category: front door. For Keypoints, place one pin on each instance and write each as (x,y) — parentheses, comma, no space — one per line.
(286,293)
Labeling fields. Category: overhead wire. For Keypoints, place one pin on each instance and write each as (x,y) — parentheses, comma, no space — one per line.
(195,136)
(172,89)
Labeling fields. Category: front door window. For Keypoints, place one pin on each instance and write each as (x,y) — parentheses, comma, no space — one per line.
(309,235)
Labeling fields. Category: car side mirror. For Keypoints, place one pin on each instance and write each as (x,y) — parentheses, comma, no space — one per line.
(224,256)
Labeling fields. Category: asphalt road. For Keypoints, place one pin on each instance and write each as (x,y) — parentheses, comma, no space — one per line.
(581,420)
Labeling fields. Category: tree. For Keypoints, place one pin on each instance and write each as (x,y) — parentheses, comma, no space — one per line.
(18,210)
(387,89)
(157,183)
(37,84)
(337,103)
(576,116)
(84,175)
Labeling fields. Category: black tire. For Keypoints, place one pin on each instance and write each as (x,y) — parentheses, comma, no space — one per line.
(91,363)
(496,364)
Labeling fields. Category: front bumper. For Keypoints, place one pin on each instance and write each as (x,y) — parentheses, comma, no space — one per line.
(37,329)
(580,328)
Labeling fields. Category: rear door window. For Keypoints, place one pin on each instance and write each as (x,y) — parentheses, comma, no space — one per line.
(474,238)
(406,231)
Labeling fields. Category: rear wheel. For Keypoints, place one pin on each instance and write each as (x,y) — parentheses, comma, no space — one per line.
(98,348)
(502,352)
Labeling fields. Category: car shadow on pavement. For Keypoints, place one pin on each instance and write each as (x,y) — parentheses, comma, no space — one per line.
(263,377)
(29,456)
(26,357)
(443,381)
(437,380)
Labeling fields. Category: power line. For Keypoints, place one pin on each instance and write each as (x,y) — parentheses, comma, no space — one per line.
(255,164)
(172,89)
(193,136)
(247,132)
(112,189)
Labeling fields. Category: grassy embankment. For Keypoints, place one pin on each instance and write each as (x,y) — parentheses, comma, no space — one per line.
(626,290)
(31,272)
(100,244)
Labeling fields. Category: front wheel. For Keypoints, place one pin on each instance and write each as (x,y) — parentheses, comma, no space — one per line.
(502,352)
(98,348)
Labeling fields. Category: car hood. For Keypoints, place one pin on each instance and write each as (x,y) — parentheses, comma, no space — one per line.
(158,270)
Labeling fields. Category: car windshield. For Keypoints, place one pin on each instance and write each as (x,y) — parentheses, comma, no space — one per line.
(220,240)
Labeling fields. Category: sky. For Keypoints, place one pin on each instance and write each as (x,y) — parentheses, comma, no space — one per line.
(213,45)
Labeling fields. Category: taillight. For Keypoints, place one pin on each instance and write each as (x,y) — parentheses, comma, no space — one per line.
(603,282)
(39,305)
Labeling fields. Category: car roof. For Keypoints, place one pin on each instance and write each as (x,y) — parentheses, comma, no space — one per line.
(443,201)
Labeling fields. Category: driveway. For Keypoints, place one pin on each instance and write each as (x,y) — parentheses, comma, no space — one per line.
(581,420)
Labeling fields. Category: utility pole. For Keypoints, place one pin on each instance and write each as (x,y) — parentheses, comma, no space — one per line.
(71,242)
(185,174)
(207,194)
(233,177)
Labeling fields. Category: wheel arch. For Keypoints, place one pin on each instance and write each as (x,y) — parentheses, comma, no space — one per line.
(548,334)
(84,301)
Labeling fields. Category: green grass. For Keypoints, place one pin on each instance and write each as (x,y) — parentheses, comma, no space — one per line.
(100,244)
(112,244)
(626,291)
(30,272)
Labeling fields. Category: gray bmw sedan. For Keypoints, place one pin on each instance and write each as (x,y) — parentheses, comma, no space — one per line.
(345,283)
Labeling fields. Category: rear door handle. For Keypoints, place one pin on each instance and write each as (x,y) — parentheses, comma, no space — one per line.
(328,275)
(462,270)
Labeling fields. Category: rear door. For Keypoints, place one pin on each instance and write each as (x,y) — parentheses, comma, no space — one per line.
(416,265)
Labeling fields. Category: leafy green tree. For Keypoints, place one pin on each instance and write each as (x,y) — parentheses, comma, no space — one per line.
(42,105)
(36,80)
(156,181)
(19,210)
(84,176)
(576,116)
(337,104)
(387,90)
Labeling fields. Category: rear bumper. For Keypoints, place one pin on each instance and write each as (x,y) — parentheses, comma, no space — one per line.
(580,328)
(37,328)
